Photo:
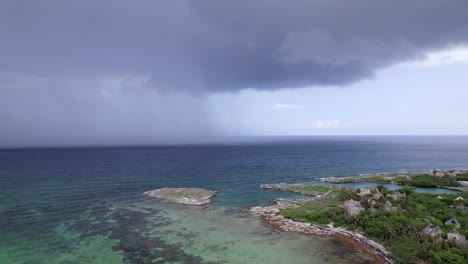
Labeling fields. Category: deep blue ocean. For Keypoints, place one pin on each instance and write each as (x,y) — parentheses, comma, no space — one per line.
(76,205)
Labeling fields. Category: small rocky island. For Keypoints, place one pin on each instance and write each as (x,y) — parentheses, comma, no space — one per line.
(192,196)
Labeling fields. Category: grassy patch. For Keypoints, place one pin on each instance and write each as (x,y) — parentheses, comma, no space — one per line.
(463,176)
(184,195)
(313,189)
(312,212)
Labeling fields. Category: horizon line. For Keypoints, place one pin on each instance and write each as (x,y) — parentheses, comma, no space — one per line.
(215,140)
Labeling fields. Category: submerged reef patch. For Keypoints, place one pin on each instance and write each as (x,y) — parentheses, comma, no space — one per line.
(133,229)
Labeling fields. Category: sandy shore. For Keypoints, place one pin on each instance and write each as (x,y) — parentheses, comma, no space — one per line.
(361,243)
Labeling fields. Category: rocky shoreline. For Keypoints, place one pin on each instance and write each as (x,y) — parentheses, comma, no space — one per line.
(315,190)
(271,215)
(191,196)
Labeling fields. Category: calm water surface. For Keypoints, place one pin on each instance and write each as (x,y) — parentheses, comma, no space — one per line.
(84,205)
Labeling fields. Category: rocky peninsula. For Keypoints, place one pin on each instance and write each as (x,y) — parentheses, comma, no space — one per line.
(392,226)
(271,214)
(191,196)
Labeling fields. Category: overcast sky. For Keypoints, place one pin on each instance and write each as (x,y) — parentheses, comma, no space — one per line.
(85,72)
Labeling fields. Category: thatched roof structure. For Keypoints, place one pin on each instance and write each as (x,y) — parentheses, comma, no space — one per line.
(432,230)
(352,207)
(453,221)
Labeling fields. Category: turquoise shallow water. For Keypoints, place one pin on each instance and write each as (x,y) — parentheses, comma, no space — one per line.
(84,205)
(153,231)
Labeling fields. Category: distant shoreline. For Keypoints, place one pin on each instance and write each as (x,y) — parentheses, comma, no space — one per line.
(404,178)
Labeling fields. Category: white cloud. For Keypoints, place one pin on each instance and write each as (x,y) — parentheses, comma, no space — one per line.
(327,124)
(447,56)
(287,106)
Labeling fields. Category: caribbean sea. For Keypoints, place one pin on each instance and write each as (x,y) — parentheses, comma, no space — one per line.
(85,204)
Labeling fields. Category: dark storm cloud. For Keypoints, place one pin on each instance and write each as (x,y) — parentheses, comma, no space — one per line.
(75,72)
(215,46)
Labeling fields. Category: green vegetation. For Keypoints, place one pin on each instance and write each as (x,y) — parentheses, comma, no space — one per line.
(185,195)
(383,179)
(400,230)
(463,176)
(426,180)
(417,180)
(312,189)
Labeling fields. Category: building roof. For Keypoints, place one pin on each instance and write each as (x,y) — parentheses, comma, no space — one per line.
(453,221)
